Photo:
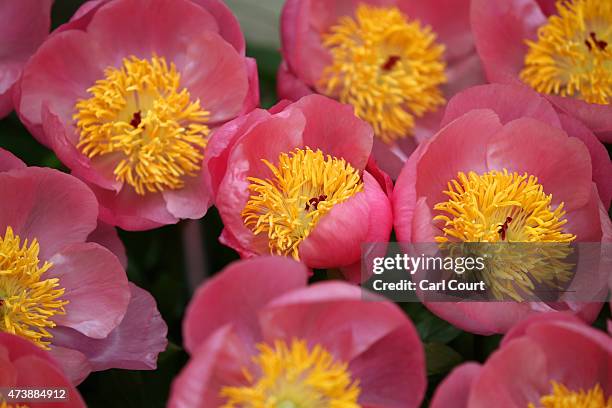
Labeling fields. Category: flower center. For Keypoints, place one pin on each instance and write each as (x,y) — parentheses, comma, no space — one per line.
(306,185)
(28,302)
(499,206)
(387,66)
(148,127)
(4,404)
(573,53)
(561,397)
(295,377)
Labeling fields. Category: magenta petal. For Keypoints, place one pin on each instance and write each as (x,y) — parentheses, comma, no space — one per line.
(96,287)
(391,372)
(255,282)
(330,124)
(9,162)
(134,344)
(500,29)
(106,235)
(43,204)
(454,390)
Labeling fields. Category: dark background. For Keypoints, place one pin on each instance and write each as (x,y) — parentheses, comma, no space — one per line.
(157,263)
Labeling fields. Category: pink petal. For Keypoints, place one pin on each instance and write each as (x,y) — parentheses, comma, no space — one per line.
(229,28)
(288,86)
(602,166)
(500,29)
(106,235)
(133,345)
(73,363)
(454,390)
(216,363)
(333,315)
(330,124)
(255,282)
(9,162)
(336,239)
(562,164)
(509,102)
(391,372)
(43,204)
(94,281)
(597,117)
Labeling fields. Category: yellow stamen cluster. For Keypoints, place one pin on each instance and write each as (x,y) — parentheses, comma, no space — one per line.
(387,66)
(479,205)
(561,397)
(28,302)
(4,404)
(295,376)
(304,187)
(139,120)
(499,206)
(573,53)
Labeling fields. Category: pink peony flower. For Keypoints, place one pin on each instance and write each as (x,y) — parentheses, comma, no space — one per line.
(285,344)
(127,93)
(497,138)
(294,181)
(23,365)
(562,49)
(24,24)
(549,360)
(62,289)
(395,61)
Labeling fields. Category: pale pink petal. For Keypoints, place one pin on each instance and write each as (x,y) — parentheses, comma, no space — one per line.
(255,282)
(134,344)
(454,390)
(96,288)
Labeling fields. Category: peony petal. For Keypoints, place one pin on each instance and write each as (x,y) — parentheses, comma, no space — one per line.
(288,86)
(73,363)
(106,235)
(454,390)
(255,282)
(44,204)
(9,162)
(96,288)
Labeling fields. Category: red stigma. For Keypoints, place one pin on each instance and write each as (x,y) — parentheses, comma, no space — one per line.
(391,61)
(314,202)
(503,228)
(136,119)
(598,43)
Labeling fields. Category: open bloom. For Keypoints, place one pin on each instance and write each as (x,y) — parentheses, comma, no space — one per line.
(503,169)
(287,345)
(560,48)
(24,24)
(294,182)
(23,365)
(395,61)
(127,93)
(60,287)
(550,360)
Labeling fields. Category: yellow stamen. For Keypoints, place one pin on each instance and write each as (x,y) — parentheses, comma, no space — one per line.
(28,302)
(479,205)
(561,397)
(295,377)
(305,187)
(573,53)
(387,66)
(4,404)
(145,125)
(499,206)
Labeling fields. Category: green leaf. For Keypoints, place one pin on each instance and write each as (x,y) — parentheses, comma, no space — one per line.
(440,358)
